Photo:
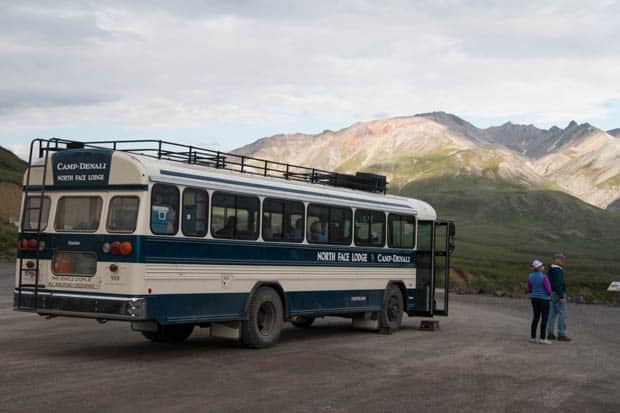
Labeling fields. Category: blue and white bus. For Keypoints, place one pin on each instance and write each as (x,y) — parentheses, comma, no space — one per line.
(170,237)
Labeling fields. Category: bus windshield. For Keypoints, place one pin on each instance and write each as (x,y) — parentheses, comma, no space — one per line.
(78,213)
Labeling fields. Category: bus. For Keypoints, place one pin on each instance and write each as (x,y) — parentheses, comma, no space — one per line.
(170,237)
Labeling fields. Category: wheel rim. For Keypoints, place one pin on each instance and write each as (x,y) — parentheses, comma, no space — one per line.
(393,308)
(266,318)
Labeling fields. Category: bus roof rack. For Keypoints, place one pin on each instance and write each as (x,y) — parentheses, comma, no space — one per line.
(190,154)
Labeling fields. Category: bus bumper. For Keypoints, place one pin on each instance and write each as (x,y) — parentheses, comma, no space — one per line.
(83,305)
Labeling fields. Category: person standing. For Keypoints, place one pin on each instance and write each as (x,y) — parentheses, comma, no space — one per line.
(539,287)
(558,299)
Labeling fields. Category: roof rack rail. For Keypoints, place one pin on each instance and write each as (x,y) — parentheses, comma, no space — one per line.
(195,155)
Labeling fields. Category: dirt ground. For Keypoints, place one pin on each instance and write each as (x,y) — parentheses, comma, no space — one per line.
(480,360)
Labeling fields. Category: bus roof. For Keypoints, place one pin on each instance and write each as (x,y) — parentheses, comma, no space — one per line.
(90,167)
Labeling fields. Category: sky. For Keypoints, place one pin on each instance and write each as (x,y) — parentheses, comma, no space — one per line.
(223,74)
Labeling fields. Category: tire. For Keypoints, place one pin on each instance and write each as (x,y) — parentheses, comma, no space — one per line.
(302,321)
(264,319)
(174,333)
(391,316)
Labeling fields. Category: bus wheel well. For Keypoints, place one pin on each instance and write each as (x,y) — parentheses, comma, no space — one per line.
(271,284)
(403,291)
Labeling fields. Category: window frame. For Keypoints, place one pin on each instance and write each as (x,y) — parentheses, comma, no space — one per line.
(389,230)
(77,230)
(369,213)
(107,224)
(151,210)
(284,201)
(207,217)
(236,196)
(329,207)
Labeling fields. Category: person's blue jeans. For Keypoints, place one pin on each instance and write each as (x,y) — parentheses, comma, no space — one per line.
(557,310)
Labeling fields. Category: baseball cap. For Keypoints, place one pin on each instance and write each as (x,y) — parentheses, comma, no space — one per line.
(537,263)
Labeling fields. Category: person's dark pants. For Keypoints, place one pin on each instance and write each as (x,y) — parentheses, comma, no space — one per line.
(541,308)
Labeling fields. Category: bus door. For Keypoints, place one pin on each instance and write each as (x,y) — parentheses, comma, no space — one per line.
(435,245)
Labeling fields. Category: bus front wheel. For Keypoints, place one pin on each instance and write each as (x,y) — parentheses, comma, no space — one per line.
(174,333)
(264,319)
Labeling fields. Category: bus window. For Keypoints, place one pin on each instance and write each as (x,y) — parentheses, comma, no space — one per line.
(331,225)
(283,220)
(32,213)
(234,216)
(195,212)
(123,214)
(164,209)
(401,231)
(78,213)
(369,228)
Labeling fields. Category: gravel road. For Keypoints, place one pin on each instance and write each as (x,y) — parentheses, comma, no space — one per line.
(480,360)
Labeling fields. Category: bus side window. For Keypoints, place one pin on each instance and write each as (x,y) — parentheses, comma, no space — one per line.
(401,232)
(369,228)
(234,216)
(164,209)
(195,212)
(327,224)
(283,220)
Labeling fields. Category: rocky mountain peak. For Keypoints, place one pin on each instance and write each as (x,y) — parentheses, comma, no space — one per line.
(614,132)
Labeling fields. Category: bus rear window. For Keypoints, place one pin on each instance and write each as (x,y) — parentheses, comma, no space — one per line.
(123,214)
(31,220)
(78,213)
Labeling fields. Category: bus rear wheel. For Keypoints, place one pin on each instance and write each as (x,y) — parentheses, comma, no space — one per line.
(302,321)
(391,316)
(264,319)
(174,333)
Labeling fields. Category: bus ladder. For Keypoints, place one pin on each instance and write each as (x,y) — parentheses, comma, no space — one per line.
(36,231)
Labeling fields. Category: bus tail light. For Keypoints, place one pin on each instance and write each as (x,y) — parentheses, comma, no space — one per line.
(115,248)
(126,248)
(30,245)
(105,247)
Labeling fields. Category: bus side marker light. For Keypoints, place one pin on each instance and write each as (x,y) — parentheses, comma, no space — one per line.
(29,263)
(150,291)
(126,248)
(113,267)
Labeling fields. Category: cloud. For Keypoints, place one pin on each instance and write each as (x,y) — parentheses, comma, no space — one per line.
(154,66)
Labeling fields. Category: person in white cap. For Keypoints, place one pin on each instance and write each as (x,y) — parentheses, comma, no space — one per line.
(539,287)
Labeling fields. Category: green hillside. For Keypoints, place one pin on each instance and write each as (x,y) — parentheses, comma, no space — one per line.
(502,227)
(11,167)
(11,172)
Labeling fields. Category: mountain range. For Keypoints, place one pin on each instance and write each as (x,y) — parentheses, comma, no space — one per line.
(516,192)
(579,159)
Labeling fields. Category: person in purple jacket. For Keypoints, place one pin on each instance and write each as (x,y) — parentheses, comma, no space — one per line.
(539,287)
